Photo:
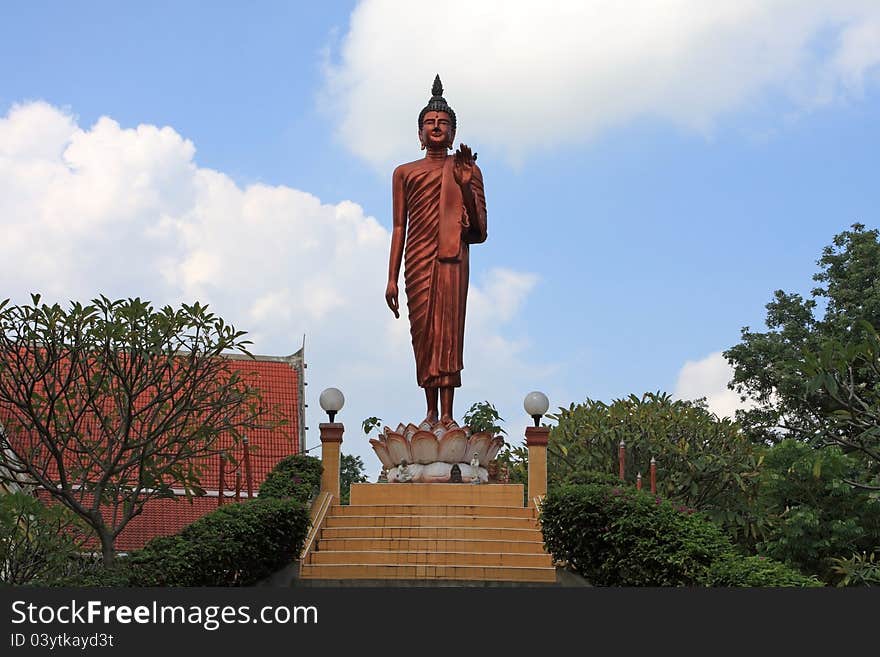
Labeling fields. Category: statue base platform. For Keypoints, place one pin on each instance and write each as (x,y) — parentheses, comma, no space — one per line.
(506,495)
(436,453)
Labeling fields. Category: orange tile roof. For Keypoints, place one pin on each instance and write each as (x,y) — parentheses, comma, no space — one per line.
(280,380)
(163,518)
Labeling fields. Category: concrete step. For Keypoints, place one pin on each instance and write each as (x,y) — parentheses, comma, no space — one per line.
(438,494)
(419,572)
(423,583)
(430,545)
(403,558)
(435,532)
(432,510)
(429,521)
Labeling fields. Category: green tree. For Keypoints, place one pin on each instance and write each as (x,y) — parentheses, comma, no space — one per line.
(703,462)
(111,404)
(771,367)
(848,374)
(351,471)
(814,517)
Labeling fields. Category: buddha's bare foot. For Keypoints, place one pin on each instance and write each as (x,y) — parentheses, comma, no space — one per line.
(446,419)
(431,419)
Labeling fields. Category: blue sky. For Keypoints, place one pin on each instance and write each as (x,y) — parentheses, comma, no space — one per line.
(652,175)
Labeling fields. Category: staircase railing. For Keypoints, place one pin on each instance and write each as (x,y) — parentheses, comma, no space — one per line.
(320,507)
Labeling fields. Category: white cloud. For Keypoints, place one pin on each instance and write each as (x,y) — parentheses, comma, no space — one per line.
(708,378)
(523,77)
(127,212)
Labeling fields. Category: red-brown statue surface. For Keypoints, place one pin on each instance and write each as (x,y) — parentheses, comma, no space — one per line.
(439,209)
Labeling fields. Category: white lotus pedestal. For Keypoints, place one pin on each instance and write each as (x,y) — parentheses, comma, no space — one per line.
(436,453)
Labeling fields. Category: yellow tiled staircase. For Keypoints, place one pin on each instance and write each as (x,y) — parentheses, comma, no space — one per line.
(427,533)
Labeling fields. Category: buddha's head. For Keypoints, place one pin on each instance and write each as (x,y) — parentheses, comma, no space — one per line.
(437,120)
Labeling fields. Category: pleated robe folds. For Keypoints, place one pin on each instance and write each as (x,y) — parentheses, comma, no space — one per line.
(439,231)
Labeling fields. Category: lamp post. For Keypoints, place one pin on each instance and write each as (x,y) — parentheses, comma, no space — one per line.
(332,400)
(536,404)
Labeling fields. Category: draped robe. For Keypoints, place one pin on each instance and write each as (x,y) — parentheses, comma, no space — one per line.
(438,233)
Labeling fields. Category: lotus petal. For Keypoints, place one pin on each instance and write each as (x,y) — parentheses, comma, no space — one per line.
(424,447)
(479,444)
(398,448)
(425,426)
(453,446)
(494,447)
(382,452)
(386,430)
(439,430)
(410,431)
(401,429)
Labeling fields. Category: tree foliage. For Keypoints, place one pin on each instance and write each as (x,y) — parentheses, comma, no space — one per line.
(351,471)
(702,462)
(483,416)
(814,516)
(111,404)
(848,374)
(371,423)
(772,369)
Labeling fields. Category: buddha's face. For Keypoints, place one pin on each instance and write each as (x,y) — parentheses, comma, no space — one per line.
(436,130)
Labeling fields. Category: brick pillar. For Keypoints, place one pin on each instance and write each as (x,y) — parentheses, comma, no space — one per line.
(331,442)
(536,441)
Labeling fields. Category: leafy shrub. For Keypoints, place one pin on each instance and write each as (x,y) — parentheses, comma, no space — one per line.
(737,570)
(859,570)
(702,461)
(38,542)
(297,476)
(619,536)
(235,545)
(97,575)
